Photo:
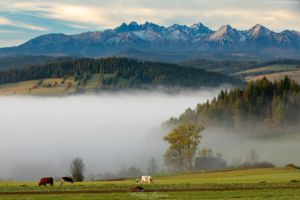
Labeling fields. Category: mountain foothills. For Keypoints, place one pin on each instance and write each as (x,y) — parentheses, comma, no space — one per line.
(150,36)
(179,56)
(24,61)
(233,67)
(114,73)
(263,109)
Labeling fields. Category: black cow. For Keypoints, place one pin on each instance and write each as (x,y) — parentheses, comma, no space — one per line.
(66,179)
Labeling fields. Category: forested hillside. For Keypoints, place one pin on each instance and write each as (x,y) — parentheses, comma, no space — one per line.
(232,67)
(263,109)
(155,73)
(24,61)
(182,56)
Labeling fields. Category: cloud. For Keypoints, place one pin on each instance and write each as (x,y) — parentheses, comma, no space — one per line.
(7,31)
(241,15)
(77,26)
(4,21)
(10,43)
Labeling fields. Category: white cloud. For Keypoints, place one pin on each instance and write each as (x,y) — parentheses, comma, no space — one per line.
(7,31)
(10,43)
(78,26)
(4,21)
(109,14)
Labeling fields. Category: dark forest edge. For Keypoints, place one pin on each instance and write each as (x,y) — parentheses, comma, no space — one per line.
(263,109)
(19,61)
(136,73)
(232,67)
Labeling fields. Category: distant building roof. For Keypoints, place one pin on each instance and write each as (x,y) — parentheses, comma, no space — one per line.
(206,163)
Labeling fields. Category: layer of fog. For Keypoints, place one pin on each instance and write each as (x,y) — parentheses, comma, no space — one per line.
(40,136)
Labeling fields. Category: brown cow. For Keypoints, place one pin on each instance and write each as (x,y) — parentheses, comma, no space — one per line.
(66,179)
(44,181)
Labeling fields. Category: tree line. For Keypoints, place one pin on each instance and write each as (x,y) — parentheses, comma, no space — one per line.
(263,109)
(155,73)
(232,67)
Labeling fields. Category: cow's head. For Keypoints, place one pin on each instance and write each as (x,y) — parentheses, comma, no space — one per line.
(40,184)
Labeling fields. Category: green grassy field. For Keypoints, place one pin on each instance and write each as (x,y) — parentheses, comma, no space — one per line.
(295,75)
(22,87)
(275,67)
(240,194)
(259,178)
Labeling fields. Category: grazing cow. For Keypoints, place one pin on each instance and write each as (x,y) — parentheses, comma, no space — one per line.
(66,179)
(146,178)
(44,181)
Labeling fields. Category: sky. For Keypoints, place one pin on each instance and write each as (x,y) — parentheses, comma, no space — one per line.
(21,21)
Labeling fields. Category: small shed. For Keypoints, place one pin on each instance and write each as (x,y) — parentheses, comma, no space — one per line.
(206,163)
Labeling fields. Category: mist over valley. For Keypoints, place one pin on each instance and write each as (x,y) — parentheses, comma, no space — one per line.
(41,135)
(109,131)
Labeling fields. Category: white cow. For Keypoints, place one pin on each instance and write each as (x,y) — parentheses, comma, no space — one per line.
(146,179)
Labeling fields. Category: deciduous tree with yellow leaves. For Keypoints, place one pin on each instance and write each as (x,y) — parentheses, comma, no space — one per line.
(184,141)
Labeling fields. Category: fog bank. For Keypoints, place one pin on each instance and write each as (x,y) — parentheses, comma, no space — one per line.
(41,135)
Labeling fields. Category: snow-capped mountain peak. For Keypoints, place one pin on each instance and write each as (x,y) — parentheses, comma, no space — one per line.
(150,36)
(259,30)
(133,24)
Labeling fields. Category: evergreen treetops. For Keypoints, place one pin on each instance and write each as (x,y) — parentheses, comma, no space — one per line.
(263,109)
(155,73)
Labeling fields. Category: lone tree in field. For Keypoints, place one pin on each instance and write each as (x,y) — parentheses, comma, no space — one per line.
(152,166)
(77,169)
(184,141)
(252,157)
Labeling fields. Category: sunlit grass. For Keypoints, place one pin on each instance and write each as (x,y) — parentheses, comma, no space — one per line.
(274,177)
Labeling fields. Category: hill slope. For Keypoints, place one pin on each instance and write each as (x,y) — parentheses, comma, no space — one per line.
(111,73)
(24,61)
(180,56)
(263,109)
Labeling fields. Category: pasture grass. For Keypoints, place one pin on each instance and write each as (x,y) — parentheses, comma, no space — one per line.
(22,87)
(93,81)
(274,177)
(274,67)
(238,194)
(259,178)
(295,75)
(122,81)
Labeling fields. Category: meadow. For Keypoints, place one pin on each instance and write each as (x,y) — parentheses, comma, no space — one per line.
(275,67)
(295,75)
(22,87)
(240,194)
(210,179)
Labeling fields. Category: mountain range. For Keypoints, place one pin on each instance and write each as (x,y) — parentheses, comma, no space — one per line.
(152,37)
